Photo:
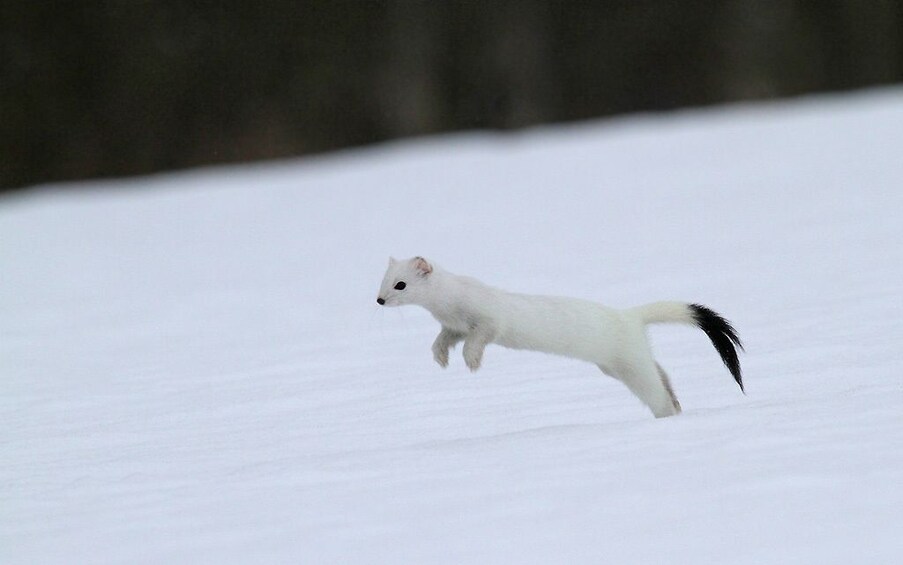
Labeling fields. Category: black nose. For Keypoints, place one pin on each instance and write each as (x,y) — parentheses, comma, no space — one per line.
(380,301)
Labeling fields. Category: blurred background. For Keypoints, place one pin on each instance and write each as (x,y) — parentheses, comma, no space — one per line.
(130,87)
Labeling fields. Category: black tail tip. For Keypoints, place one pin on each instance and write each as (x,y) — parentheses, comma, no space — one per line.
(724,337)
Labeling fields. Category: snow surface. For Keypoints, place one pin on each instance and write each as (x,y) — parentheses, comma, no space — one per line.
(194,368)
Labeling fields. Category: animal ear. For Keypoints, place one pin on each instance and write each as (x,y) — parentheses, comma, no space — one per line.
(392,260)
(422,266)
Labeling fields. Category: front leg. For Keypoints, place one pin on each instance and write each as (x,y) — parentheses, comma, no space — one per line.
(475,343)
(444,341)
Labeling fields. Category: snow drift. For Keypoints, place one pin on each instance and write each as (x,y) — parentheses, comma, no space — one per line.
(194,368)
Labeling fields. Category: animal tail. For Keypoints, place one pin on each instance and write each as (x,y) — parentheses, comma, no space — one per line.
(723,335)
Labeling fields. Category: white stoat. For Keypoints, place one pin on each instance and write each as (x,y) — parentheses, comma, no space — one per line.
(614,340)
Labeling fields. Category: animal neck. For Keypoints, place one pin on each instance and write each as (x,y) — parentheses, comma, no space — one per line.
(442,293)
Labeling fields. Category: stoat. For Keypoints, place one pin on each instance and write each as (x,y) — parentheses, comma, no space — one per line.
(614,340)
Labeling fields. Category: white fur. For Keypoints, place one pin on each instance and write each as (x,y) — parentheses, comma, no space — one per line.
(478,314)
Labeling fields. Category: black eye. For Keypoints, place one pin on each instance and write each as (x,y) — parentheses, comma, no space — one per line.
(400,285)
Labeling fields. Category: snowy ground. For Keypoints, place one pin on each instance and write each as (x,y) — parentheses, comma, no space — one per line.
(194,368)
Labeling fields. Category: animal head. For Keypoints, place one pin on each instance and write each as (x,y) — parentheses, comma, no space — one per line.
(405,282)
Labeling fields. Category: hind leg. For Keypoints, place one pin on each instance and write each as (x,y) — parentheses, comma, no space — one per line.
(667,383)
(649,385)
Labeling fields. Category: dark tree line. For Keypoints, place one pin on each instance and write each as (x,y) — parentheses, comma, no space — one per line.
(120,87)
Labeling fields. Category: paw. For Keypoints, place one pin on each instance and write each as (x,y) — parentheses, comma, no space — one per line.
(440,354)
(441,357)
(473,359)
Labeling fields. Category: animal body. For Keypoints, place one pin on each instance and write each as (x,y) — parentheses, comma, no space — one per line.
(614,340)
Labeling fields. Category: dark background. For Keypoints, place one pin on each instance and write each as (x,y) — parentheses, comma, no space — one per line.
(101,88)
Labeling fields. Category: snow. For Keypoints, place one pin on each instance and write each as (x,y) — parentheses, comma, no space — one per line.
(194,368)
